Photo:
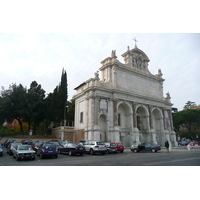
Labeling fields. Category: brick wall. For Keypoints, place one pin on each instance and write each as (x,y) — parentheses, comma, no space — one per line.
(79,135)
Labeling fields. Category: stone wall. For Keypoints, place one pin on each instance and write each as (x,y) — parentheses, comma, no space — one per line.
(68,133)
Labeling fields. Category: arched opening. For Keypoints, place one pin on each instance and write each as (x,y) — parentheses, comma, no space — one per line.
(157,125)
(142,124)
(124,123)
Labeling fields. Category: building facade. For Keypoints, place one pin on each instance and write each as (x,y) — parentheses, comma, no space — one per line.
(126,105)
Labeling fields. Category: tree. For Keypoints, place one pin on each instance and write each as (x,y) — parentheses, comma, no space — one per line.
(13,105)
(57,101)
(189,118)
(190,105)
(35,112)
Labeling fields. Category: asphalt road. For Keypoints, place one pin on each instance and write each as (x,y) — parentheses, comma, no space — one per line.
(128,158)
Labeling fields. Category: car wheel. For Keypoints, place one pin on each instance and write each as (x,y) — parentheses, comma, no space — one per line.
(153,150)
(17,158)
(179,145)
(135,150)
(33,158)
(121,151)
(91,152)
(102,153)
(56,156)
(81,154)
(107,151)
(70,153)
(59,151)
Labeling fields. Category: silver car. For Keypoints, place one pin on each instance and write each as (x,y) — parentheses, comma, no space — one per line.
(93,147)
(11,147)
(111,147)
(23,152)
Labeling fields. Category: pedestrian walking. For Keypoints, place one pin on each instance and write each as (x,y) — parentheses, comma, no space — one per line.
(167,146)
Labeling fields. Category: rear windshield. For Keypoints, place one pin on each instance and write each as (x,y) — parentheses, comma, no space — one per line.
(113,144)
(25,147)
(38,144)
(120,144)
(50,145)
(100,143)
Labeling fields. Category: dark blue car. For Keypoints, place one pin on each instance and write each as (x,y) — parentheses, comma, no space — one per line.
(47,150)
(146,147)
(72,149)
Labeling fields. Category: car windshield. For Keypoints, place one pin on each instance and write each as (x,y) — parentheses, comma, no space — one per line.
(56,143)
(25,147)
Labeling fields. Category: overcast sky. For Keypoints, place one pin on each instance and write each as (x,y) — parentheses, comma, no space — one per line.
(111,25)
(41,57)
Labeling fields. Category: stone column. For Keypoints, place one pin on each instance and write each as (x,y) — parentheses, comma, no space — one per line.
(150,117)
(134,115)
(115,122)
(96,110)
(164,121)
(136,138)
(170,118)
(91,118)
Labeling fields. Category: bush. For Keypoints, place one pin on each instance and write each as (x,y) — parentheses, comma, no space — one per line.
(5,131)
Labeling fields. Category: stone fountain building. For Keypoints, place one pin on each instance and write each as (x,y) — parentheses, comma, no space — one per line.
(126,104)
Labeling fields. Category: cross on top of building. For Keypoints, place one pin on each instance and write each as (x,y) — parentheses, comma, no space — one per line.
(135,41)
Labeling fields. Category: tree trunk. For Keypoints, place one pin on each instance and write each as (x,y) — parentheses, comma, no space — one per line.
(20,124)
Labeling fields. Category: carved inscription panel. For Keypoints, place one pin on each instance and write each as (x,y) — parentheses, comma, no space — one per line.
(138,84)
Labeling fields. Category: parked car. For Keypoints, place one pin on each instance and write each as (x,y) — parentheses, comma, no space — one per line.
(183,143)
(1,150)
(36,145)
(119,146)
(11,147)
(111,147)
(94,147)
(72,149)
(47,150)
(57,143)
(23,152)
(29,142)
(146,147)
(65,142)
(41,141)
(7,142)
(193,143)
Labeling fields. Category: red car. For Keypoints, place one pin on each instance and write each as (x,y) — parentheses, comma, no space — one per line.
(119,146)
(193,143)
(36,145)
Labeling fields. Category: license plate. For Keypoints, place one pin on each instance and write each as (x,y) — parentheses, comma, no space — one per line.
(80,148)
(50,151)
